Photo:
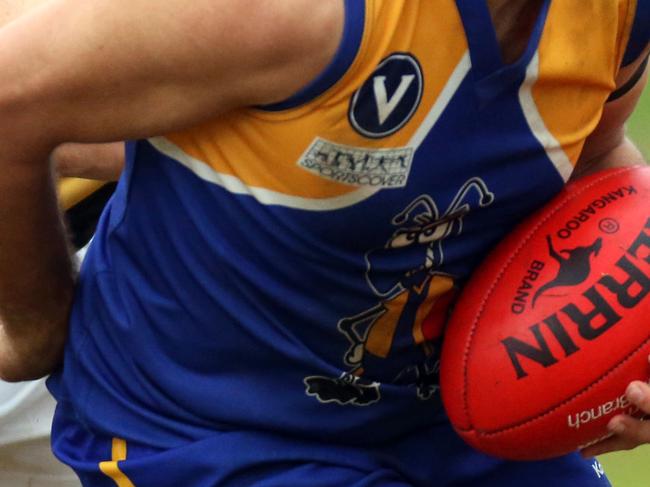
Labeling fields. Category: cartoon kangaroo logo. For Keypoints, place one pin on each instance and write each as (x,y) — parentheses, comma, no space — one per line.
(574,268)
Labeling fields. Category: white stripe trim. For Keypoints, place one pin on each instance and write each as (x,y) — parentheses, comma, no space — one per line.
(536,123)
(265,196)
(439,107)
(269,197)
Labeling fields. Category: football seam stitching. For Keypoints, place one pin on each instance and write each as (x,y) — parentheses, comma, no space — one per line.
(481,308)
(566,401)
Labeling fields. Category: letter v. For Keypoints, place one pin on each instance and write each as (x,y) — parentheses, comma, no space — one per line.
(385,106)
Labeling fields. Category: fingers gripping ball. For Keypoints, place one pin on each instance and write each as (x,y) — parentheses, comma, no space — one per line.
(555,323)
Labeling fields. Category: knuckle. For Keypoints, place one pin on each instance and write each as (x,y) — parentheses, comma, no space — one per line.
(644,402)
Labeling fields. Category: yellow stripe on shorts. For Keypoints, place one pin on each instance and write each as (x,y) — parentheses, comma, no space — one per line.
(111,468)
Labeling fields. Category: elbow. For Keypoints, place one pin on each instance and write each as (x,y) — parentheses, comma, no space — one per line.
(21,372)
(26,370)
(31,359)
(26,123)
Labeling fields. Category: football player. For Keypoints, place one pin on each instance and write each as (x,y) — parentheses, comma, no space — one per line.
(307,183)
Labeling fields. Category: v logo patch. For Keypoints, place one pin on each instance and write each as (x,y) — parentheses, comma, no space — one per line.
(387,106)
(388,98)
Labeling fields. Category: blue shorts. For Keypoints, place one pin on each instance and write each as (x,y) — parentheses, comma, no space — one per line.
(246,458)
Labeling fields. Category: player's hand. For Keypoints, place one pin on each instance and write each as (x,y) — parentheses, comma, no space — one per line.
(628,432)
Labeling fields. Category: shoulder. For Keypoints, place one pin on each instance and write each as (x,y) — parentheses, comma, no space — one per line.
(299,38)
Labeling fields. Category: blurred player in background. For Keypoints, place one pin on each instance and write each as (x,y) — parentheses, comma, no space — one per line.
(264,300)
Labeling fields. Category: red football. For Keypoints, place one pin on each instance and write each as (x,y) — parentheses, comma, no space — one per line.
(555,323)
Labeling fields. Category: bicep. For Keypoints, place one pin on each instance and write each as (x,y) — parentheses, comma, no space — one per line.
(118,69)
(609,136)
(12,9)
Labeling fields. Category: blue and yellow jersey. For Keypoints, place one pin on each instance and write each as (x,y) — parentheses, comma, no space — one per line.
(72,191)
(289,268)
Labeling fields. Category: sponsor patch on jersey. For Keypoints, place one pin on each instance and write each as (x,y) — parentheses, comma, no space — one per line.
(358,166)
(389,98)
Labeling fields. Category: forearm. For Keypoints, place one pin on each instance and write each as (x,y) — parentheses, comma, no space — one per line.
(36,277)
(36,283)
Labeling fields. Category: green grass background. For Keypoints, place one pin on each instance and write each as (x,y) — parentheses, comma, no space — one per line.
(632,469)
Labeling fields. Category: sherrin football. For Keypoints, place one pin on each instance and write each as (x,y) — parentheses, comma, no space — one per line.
(555,323)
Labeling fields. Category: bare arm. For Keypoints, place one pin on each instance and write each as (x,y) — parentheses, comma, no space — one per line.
(103,161)
(114,69)
(77,71)
(12,9)
(89,161)
(608,146)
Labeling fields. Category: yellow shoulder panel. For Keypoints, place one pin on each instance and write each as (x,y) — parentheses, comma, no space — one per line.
(73,190)
(261,148)
(579,57)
